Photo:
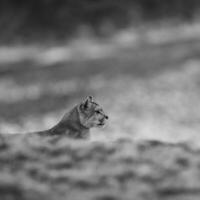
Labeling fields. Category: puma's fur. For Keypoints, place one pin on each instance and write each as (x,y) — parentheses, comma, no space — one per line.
(77,122)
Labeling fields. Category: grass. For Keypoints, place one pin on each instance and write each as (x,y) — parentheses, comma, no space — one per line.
(150,92)
(153,84)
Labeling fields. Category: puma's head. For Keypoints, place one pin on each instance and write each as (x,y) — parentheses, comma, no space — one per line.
(91,113)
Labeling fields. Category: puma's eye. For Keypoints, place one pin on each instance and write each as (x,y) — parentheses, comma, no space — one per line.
(97,111)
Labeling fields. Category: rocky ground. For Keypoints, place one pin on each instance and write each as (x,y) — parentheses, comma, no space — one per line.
(148,150)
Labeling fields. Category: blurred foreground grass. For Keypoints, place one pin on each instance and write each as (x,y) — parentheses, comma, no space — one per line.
(148,83)
(46,168)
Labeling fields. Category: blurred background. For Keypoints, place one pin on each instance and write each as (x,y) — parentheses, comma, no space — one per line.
(140,59)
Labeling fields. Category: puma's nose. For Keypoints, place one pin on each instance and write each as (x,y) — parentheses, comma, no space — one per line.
(106,117)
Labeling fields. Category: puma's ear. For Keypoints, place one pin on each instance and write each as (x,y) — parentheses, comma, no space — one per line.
(87,102)
(90,98)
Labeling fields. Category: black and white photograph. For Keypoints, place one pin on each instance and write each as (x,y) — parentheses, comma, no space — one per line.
(99,100)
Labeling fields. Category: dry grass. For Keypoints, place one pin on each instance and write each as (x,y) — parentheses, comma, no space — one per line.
(150,91)
(154,85)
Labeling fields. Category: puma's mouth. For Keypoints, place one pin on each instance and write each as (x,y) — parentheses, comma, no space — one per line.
(101,124)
